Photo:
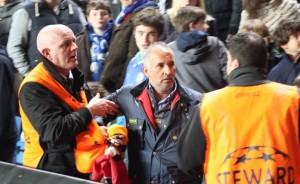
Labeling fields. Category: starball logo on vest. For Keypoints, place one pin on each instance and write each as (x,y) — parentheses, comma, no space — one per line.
(256,165)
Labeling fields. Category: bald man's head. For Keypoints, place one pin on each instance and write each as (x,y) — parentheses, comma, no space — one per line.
(57,44)
(49,35)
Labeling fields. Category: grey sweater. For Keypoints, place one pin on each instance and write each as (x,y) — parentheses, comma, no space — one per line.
(200,61)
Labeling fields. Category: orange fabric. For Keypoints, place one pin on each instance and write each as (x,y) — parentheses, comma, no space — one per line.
(89,144)
(249,142)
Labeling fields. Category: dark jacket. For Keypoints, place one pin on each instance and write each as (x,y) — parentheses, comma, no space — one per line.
(56,123)
(6,13)
(227,14)
(48,17)
(200,61)
(151,156)
(122,48)
(8,131)
(84,54)
(285,71)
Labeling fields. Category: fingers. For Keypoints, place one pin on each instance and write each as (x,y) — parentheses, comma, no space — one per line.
(112,104)
(97,95)
(112,108)
(101,107)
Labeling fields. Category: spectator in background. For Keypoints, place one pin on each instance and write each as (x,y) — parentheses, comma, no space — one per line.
(28,21)
(250,126)
(55,110)
(148,26)
(170,33)
(200,59)
(227,14)
(123,46)
(8,129)
(257,26)
(287,37)
(156,110)
(270,12)
(7,9)
(93,43)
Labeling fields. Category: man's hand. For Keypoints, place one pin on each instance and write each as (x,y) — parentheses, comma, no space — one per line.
(102,107)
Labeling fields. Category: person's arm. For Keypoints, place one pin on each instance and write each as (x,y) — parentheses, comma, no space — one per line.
(81,17)
(17,41)
(235,17)
(191,146)
(244,19)
(8,132)
(49,116)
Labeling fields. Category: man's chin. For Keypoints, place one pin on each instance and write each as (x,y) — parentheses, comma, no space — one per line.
(73,64)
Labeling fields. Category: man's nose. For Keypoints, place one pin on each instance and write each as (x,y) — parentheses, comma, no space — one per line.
(74,46)
(167,70)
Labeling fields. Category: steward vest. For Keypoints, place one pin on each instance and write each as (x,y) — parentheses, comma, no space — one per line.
(46,17)
(252,135)
(89,144)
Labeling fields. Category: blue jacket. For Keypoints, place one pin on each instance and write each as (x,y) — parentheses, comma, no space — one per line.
(285,71)
(152,157)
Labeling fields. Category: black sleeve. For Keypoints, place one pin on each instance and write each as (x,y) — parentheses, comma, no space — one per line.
(235,17)
(53,120)
(191,146)
(122,48)
(8,131)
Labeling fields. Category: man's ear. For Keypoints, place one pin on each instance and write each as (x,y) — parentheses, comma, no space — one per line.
(191,26)
(284,47)
(145,71)
(235,63)
(46,53)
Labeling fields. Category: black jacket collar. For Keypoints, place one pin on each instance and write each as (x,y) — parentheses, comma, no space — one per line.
(78,76)
(247,76)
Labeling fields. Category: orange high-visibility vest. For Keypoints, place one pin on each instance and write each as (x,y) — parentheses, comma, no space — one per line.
(252,135)
(89,144)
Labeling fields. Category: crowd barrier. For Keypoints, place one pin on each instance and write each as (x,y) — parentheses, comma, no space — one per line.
(16,174)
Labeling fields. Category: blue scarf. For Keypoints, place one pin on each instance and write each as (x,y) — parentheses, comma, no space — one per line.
(99,48)
(134,72)
(128,10)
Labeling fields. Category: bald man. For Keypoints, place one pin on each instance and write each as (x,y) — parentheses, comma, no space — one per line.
(53,104)
(156,111)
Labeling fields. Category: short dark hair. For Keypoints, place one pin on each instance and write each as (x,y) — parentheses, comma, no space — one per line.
(249,48)
(284,30)
(149,17)
(97,5)
(187,15)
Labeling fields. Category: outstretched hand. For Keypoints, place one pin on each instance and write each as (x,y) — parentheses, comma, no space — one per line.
(101,107)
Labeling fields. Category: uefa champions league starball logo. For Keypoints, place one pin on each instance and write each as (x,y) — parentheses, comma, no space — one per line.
(252,153)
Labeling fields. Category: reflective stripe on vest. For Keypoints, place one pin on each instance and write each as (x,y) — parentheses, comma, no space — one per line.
(252,134)
(87,142)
